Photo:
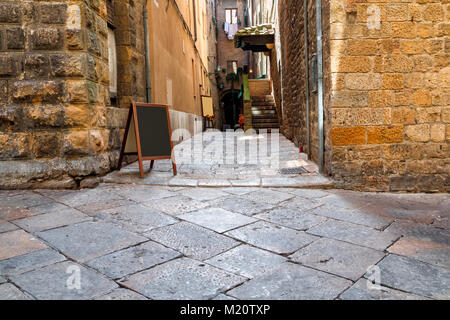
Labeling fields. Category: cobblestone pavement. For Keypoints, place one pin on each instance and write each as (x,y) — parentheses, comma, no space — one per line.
(215,159)
(188,240)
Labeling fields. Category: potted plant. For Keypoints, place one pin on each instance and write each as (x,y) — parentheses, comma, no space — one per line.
(209,121)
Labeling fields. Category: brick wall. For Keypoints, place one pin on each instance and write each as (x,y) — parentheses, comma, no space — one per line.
(226,50)
(56,125)
(391,95)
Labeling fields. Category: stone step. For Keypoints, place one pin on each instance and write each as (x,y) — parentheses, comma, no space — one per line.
(265,112)
(263,103)
(265,116)
(265,121)
(265,126)
(265,107)
(262,99)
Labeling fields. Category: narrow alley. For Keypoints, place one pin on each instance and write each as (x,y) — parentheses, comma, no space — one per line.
(224,150)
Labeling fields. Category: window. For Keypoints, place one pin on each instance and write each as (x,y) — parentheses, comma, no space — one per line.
(231,16)
(232,66)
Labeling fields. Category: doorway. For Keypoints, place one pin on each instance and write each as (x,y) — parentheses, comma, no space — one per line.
(232,106)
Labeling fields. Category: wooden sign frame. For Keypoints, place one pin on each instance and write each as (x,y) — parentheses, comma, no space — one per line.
(212,106)
(132,115)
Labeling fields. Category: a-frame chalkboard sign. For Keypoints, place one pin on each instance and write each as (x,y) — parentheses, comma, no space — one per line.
(148,134)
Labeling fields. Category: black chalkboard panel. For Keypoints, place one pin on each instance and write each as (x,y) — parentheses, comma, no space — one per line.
(154,131)
(148,135)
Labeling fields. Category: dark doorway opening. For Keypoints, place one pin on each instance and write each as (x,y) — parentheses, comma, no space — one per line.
(232,107)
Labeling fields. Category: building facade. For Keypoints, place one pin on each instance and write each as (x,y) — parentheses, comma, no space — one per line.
(385,90)
(230,14)
(70,69)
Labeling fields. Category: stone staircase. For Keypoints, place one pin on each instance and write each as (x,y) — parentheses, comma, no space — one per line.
(264,113)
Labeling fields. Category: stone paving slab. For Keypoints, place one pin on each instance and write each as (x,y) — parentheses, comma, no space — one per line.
(361,291)
(339,258)
(182,182)
(10,292)
(246,261)
(124,262)
(301,204)
(279,182)
(217,219)
(88,240)
(23,205)
(141,193)
(426,251)
(267,196)
(2,280)
(414,276)
(18,242)
(51,282)
(429,233)
(182,279)
(156,178)
(50,207)
(313,180)
(30,261)
(223,297)
(239,190)
(356,216)
(214,183)
(191,240)
(272,237)
(291,218)
(310,193)
(26,199)
(355,234)
(241,205)
(81,198)
(202,194)
(137,218)
(122,294)
(176,205)
(291,282)
(420,208)
(252,182)
(350,200)
(52,220)
(6,226)
(442,222)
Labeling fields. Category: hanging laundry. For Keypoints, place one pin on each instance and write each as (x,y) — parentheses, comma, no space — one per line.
(231,29)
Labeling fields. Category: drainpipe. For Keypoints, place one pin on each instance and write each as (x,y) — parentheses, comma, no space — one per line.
(305,19)
(147,56)
(320,81)
(195,20)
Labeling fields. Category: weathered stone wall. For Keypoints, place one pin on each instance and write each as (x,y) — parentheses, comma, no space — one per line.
(275,75)
(55,124)
(386,91)
(131,77)
(292,32)
(390,103)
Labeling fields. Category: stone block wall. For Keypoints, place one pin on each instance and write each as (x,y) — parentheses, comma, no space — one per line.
(293,90)
(386,91)
(56,126)
(390,100)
